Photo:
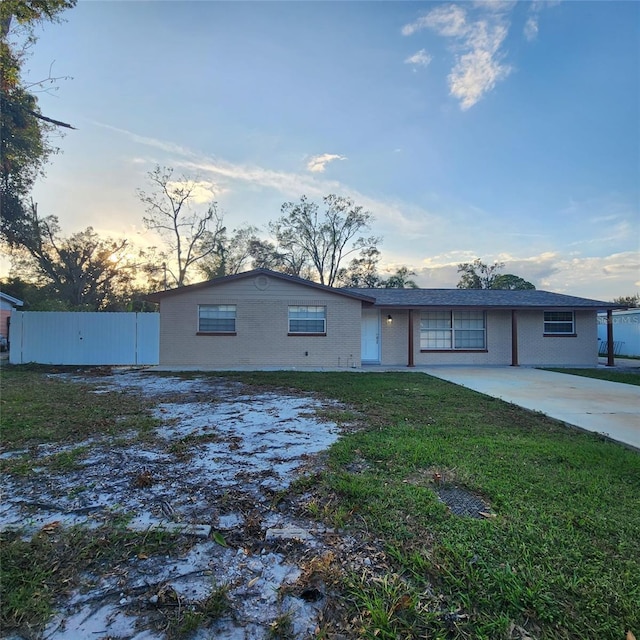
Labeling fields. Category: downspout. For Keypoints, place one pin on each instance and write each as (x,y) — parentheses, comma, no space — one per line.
(610,358)
(514,338)
(410,362)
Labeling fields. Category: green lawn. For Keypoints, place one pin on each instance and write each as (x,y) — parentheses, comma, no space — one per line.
(626,377)
(556,558)
(559,559)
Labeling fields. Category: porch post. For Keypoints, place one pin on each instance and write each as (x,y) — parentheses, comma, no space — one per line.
(514,338)
(410,362)
(610,358)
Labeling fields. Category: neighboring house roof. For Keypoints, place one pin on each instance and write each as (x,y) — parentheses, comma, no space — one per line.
(11,300)
(156,297)
(485,298)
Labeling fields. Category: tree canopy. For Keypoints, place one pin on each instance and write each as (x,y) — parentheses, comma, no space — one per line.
(24,131)
(631,301)
(81,272)
(479,275)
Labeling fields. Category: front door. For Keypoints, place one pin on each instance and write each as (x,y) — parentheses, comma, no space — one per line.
(370,350)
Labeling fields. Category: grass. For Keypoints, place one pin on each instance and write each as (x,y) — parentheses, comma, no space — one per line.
(38,408)
(626,377)
(560,558)
(36,571)
(558,561)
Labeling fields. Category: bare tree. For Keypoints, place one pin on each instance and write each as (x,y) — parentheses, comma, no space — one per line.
(322,241)
(190,235)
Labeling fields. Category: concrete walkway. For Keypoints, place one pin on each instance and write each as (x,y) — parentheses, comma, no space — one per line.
(610,408)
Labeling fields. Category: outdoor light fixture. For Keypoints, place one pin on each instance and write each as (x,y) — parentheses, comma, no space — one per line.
(389,319)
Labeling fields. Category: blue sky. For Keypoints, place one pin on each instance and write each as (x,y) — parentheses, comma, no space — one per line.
(506,131)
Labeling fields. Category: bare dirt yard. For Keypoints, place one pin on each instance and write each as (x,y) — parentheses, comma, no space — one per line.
(215,475)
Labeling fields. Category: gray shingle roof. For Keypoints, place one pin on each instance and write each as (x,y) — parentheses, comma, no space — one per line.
(416,298)
(350,293)
(485,298)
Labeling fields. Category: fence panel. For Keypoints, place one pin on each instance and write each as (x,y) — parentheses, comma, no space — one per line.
(626,332)
(51,337)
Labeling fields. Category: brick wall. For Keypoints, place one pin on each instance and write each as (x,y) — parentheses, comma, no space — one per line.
(261,338)
(534,349)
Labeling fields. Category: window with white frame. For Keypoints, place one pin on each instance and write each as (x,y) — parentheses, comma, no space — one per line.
(216,318)
(444,330)
(307,319)
(559,323)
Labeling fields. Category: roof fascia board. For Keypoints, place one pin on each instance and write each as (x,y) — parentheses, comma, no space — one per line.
(11,299)
(518,307)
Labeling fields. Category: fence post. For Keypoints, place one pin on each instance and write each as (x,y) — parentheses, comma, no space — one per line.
(610,345)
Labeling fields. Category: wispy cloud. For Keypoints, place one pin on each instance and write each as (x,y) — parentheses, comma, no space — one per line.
(419,59)
(588,276)
(318,164)
(531,26)
(202,191)
(229,177)
(162,145)
(477,41)
(448,20)
(579,273)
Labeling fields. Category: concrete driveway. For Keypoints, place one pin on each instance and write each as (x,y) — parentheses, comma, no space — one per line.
(604,407)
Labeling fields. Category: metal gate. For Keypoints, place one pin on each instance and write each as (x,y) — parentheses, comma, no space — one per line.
(52,337)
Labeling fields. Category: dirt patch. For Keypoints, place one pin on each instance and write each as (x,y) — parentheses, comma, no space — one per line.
(217,473)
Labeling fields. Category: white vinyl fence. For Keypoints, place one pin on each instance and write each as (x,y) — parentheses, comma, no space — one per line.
(52,337)
(626,332)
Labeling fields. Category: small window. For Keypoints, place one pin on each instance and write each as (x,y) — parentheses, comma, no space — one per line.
(217,318)
(559,323)
(307,320)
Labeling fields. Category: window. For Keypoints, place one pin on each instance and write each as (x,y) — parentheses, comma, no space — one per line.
(217,318)
(559,323)
(307,320)
(452,330)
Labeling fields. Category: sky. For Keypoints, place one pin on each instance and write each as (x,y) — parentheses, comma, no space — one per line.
(505,131)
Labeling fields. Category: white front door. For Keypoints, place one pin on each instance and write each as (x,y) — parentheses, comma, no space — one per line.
(370,350)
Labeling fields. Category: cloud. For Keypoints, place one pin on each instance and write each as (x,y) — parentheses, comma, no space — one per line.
(477,43)
(419,59)
(202,191)
(598,277)
(415,235)
(531,25)
(317,164)
(531,28)
(447,20)
(496,5)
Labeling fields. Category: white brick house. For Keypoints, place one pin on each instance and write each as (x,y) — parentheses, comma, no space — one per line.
(264,319)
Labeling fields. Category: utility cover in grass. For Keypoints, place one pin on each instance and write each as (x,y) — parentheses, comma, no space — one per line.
(462,503)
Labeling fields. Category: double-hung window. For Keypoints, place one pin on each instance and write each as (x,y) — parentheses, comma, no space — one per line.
(217,318)
(559,323)
(307,320)
(451,330)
